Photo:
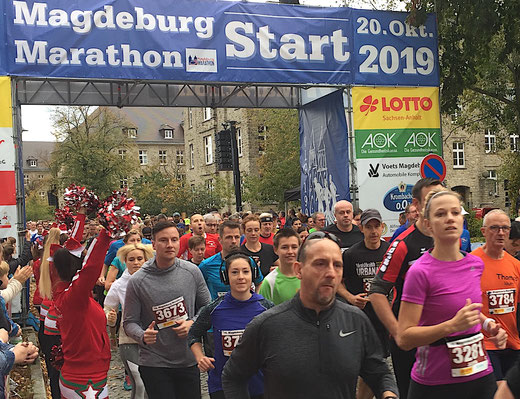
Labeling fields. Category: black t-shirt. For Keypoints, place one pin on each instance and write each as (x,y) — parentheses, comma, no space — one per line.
(360,266)
(264,258)
(347,239)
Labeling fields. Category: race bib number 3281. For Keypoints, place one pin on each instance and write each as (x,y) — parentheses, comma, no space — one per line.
(468,356)
(169,313)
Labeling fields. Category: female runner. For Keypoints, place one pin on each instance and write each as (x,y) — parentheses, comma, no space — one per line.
(440,312)
(134,256)
(229,315)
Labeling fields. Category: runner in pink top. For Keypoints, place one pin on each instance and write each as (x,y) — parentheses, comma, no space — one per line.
(440,312)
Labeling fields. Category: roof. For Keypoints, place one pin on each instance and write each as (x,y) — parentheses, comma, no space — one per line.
(39,150)
(150,120)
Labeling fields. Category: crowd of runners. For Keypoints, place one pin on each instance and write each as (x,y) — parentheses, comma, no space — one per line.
(275,306)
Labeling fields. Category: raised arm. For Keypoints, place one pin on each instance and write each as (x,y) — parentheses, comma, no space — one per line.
(79,225)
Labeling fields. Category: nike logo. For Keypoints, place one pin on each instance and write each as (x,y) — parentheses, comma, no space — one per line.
(343,334)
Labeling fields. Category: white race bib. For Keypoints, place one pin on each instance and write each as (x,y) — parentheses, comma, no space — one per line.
(468,356)
(169,313)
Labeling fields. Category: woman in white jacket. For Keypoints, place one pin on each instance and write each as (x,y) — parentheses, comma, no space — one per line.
(134,256)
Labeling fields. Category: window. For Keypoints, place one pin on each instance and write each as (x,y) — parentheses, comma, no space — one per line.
(458,155)
(210,185)
(26,180)
(132,133)
(208,113)
(33,163)
(490,141)
(262,139)
(168,133)
(122,154)
(190,117)
(208,149)
(123,183)
(143,157)
(513,141)
(192,157)
(40,177)
(42,194)
(180,157)
(492,175)
(239,142)
(506,193)
(162,157)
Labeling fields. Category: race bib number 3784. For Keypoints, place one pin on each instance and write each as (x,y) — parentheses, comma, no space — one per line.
(169,313)
(501,301)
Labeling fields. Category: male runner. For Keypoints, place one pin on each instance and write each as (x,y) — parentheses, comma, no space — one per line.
(347,232)
(198,229)
(500,289)
(312,346)
(282,283)
(266,228)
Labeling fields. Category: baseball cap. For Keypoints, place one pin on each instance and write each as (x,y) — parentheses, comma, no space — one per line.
(369,214)
(176,214)
(266,217)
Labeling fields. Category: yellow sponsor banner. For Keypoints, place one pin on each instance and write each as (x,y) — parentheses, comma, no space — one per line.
(396,107)
(6,112)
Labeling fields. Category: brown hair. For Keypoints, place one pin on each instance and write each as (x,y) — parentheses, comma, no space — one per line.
(250,218)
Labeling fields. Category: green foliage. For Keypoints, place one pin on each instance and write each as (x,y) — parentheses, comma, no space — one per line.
(157,192)
(87,150)
(279,166)
(474,225)
(37,208)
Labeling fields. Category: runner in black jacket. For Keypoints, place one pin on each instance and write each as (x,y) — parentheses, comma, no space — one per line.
(312,346)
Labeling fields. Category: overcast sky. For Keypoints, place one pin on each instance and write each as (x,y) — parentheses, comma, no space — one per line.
(36,118)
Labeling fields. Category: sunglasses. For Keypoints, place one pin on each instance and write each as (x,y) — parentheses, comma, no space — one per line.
(318,235)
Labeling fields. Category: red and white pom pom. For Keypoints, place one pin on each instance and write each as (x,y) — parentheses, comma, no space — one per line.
(64,216)
(76,197)
(118,213)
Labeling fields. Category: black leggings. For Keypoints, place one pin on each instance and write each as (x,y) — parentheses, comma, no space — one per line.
(481,388)
(46,344)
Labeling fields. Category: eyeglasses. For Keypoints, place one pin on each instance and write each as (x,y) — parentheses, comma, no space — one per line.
(318,235)
(496,229)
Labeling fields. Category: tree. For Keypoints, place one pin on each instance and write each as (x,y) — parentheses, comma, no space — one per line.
(37,208)
(279,165)
(479,46)
(87,152)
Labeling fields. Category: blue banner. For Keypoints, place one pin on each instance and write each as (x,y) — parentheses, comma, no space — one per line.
(324,155)
(3,46)
(216,41)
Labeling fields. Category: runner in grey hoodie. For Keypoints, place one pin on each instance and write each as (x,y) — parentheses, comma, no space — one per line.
(161,299)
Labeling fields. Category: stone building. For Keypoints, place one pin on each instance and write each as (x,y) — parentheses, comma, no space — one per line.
(36,173)
(474,163)
(200,126)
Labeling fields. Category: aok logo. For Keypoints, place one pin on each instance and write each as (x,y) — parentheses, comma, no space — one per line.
(396,104)
(421,140)
(380,140)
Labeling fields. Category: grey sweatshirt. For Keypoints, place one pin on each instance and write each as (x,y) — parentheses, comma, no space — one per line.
(303,355)
(151,287)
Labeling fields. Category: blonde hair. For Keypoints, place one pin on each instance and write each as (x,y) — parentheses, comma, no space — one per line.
(436,194)
(4,268)
(125,250)
(45,285)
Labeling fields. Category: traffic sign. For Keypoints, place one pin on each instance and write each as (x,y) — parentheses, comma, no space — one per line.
(433,166)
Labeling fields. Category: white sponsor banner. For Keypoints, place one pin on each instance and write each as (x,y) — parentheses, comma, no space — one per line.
(7,150)
(386,185)
(8,221)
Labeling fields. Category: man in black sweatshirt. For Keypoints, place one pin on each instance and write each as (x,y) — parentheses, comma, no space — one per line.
(312,346)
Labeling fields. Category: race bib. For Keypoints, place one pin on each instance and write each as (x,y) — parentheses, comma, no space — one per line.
(468,356)
(230,340)
(501,301)
(221,293)
(366,284)
(169,313)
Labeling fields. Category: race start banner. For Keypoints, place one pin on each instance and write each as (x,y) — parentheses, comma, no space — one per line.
(215,41)
(394,128)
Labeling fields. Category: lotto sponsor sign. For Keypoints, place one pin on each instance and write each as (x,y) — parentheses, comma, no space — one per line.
(395,128)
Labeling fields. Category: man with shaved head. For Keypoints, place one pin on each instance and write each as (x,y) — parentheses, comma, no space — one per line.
(347,232)
(198,229)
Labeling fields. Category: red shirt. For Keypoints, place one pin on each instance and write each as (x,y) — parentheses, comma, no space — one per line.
(266,240)
(212,246)
(37,298)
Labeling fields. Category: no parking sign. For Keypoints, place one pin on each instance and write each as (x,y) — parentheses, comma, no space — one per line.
(433,166)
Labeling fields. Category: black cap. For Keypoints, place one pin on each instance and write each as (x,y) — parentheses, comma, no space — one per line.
(369,214)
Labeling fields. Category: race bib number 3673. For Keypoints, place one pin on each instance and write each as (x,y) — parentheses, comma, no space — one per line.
(230,340)
(169,313)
